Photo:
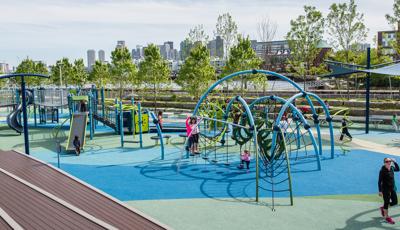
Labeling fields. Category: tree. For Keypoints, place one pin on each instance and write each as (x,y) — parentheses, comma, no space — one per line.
(100,74)
(79,75)
(197,34)
(154,69)
(395,18)
(227,29)
(29,66)
(242,57)
(304,36)
(62,69)
(123,70)
(346,26)
(266,30)
(197,72)
(395,21)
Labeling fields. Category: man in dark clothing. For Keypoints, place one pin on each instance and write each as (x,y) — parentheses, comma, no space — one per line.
(387,188)
(345,130)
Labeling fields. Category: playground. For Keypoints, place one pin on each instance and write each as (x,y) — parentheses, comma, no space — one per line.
(301,176)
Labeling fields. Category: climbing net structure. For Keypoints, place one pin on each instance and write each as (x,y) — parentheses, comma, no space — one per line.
(273,129)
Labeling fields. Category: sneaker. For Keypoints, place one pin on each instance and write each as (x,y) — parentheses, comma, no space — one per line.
(382,213)
(389,220)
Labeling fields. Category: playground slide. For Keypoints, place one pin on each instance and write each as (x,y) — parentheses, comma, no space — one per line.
(77,128)
(12,118)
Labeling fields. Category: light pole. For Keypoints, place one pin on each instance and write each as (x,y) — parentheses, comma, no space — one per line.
(61,89)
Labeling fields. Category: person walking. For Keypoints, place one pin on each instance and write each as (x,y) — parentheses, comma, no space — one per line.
(387,187)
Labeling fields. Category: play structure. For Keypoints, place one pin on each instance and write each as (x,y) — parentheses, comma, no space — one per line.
(43,106)
(272,128)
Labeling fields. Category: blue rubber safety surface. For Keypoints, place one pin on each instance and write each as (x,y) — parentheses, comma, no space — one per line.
(133,174)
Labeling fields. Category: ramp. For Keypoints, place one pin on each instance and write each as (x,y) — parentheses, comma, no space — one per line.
(77,128)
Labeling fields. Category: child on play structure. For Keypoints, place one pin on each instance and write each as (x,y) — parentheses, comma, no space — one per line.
(284,125)
(344,130)
(192,131)
(160,119)
(245,158)
(77,145)
(387,187)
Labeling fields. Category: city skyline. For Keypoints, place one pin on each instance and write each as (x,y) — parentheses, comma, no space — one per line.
(49,30)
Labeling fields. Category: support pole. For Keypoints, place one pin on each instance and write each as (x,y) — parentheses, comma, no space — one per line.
(91,127)
(102,103)
(367,91)
(116,115)
(121,123)
(140,125)
(25,116)
(34,108)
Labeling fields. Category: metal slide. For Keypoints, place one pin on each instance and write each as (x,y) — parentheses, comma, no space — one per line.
(77,128)
(12,118)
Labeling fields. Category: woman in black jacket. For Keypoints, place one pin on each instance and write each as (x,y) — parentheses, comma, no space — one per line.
(387,188)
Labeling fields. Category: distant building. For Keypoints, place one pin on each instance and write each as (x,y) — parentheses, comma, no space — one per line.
(185,47)
(102,56)
(170,43)
(164,50)
(216,47)
(218,63)
(385,38)
(362,46)
(120,44)
(273,53)
(4,67)
(137,53)
(91,58)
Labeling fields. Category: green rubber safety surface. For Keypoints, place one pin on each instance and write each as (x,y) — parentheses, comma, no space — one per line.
(329,212)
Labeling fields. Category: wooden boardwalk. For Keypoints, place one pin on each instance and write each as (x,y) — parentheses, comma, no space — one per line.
(34,195)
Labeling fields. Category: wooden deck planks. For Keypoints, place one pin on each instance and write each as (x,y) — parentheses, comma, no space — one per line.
(73,192)
(33,210)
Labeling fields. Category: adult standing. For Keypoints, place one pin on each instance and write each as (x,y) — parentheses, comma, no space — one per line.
(387,188)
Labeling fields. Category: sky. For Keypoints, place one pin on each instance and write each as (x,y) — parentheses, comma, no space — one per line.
(48,30)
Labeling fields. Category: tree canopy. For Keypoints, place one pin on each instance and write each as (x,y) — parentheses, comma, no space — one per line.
(154,69)
(306,32)
(197,72)
(29,66)
(123,70)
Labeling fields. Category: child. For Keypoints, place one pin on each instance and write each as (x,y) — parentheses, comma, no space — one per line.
(160,119)
(194,135)
(326,104)
(394,123)
(245,158)
(387,188)
(77,145)
(188,134)
(284,125)
(344,130)
(82,107)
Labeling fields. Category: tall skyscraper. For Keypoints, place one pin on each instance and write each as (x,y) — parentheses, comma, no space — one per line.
(219,47)
(216,47)
(91,58)
(170,43)
(120,44)
(102,56)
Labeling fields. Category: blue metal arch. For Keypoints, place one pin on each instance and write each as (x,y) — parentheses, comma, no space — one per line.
(265,72)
